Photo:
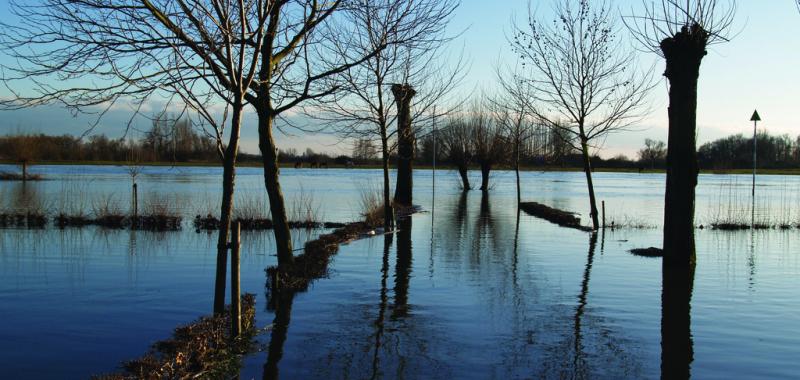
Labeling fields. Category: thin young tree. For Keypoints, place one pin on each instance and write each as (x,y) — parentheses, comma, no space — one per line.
(366,109)
(680,32)
(512,108)
(579,72)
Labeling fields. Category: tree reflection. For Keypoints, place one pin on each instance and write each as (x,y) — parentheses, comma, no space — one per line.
(677,351)
(281,303)
(402,268)
(579,360)
(387,243)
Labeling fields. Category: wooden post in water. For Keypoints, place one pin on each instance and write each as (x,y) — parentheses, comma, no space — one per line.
(135,201)
(236,300)
(603,206)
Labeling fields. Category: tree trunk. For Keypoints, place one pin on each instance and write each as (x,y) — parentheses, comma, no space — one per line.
(587,168)
(486,168)
(683,53)
(24,170)
(405,144)
(463,171)
(226,209)
(269,158)
(388,211)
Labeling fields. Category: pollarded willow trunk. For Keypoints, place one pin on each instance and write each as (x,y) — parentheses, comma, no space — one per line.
(388,210)
(269,160)
(463,171)
(587,168)
(226,209)
(683,54)
(405,144)
(486,169)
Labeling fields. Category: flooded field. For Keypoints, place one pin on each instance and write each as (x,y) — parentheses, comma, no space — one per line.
(466,289)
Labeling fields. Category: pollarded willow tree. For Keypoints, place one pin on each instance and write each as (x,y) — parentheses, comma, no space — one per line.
(680,32)
(367,109)
(191,54)
(578,72)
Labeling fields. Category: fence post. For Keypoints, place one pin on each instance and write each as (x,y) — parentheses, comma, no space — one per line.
(603,203)
(236,300)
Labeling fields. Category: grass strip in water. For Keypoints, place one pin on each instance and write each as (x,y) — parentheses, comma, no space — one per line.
(202,349)
(313,262)
(553,215)
(647,252)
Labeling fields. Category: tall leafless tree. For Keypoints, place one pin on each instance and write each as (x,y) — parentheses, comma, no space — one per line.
(367,109)
(578,71)
(680,32)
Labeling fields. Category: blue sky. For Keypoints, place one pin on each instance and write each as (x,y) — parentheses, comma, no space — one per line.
(759,68)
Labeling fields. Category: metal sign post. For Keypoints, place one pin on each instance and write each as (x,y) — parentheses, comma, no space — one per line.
(755,119)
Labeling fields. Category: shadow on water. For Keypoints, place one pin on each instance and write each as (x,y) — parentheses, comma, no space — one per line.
(281,304)
(677,348)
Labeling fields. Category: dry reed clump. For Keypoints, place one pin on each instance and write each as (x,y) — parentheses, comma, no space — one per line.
(22,210)
(203,349)
(371,205)
(628,222)
(108,213)
(251,212)
(305,211)
(159,214)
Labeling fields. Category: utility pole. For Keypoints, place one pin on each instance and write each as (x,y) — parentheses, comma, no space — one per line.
(755,119)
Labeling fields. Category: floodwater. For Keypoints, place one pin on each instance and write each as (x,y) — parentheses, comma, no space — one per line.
(466,289)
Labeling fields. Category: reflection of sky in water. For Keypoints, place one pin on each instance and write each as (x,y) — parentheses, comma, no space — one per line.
(473,302)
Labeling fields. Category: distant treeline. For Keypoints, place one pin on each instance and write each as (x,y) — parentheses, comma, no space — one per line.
(181,142)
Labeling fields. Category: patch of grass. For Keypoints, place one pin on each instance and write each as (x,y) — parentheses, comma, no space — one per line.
(647,252)
(159,214)
(628,222)
(553,215)
(202,349)
(371,205)
(8,176)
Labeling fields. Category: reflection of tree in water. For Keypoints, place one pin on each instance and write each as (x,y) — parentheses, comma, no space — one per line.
(677,352)
(537,334)
(360,340)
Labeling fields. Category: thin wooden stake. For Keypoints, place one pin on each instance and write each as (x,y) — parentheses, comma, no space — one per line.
(603,205)
(236,300)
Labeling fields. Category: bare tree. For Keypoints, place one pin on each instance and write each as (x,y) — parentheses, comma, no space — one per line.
(366,109)
(579,72)
(654,151)
(457,147)
(514,119)
(680,32)
(487,139)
